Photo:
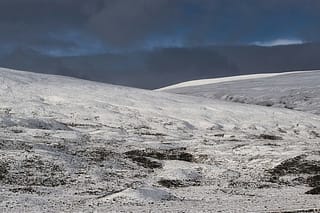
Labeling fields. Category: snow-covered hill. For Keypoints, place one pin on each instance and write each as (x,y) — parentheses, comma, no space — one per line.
(74,145)
(292,90)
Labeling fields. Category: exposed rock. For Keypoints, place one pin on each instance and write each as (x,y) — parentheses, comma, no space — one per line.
(171,154)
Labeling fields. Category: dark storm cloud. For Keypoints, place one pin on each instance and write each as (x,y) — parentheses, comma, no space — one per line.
(127,22)
(40,35)
(30,23)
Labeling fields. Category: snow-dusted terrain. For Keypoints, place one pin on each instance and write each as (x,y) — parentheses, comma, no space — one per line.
(80,146)
(226,79)
(292,90)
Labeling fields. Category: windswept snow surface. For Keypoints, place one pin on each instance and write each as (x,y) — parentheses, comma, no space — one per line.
(226,79)
(294,90)
(80,146)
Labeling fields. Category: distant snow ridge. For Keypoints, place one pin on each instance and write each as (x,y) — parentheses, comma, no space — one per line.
(226,79)
(292,90)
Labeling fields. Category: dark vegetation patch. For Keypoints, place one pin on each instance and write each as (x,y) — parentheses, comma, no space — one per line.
(146,162)
(242,184)
(314,191)
(141,127)
(269,137)
(14,145)
(150,158)
(288,106)
(297,181)
(25,190)
(315,134)
(171,183)
(99,154)
(150,133)
(171,154)
(236,98)
(250,185)
(300,211)
(177,183)
(96,154)
(3,170)
(234,140)
(313,181)
(95,192)
(271,144)
(35,171)
(296,165)
(288,102)
(17,131)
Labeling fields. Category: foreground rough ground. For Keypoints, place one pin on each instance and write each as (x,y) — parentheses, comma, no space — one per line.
(79,146)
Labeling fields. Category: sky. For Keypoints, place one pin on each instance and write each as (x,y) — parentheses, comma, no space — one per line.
(88,27)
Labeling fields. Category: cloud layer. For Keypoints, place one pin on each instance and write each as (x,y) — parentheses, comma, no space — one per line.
(128,23)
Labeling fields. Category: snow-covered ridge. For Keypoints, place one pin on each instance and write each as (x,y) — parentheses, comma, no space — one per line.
(226,79)
(294,90)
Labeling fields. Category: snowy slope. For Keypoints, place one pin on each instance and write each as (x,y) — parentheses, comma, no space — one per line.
(226,79)
(293,90)
(74,145)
